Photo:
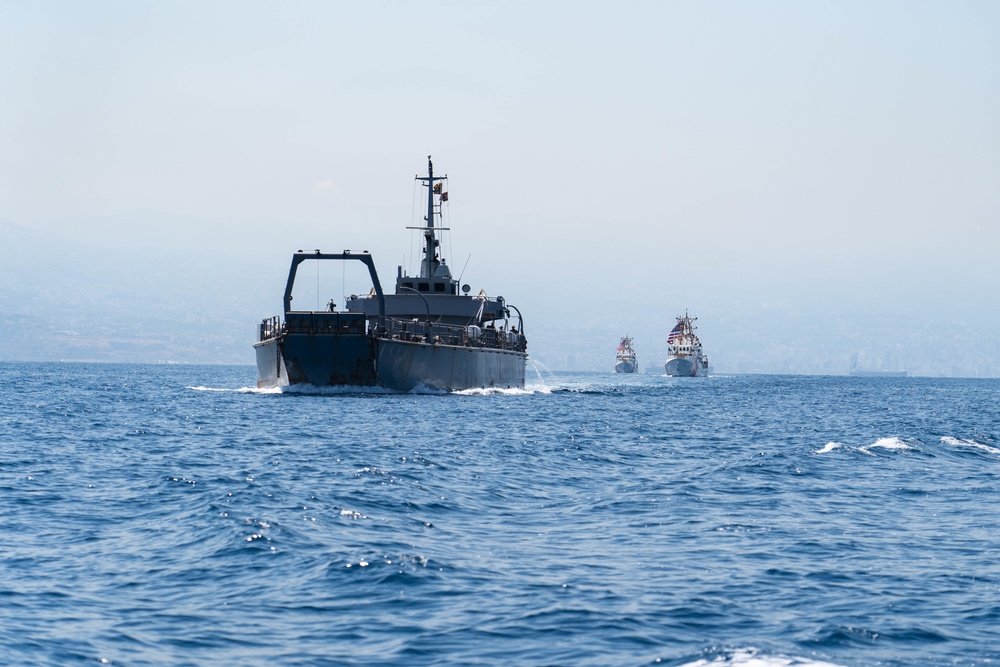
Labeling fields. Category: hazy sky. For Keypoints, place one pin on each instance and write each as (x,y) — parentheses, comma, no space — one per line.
(626,158)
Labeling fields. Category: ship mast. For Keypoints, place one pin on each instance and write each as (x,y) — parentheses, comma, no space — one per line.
(430,262)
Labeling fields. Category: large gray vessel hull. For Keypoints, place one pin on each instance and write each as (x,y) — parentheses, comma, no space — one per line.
(340,349)
(361,361)
(625,367)
(682,367)
(424,336)
(361,349)
(404,366)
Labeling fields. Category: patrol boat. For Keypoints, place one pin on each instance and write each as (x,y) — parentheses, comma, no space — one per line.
(423,336)
(685,358)
(626,357)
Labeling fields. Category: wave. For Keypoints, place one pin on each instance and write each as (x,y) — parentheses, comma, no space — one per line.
(313,390)
(892,443)
(349,390)
(968,442)
(527,391)
(885,443)
(895,443)
(419,390)
(752,657)
(239,390)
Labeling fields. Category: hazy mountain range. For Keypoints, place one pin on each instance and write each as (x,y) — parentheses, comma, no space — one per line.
(63,299)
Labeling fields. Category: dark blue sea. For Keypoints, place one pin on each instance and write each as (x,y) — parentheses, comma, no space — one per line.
(174,515)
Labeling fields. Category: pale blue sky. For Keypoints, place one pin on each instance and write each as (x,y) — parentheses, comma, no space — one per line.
(710,155)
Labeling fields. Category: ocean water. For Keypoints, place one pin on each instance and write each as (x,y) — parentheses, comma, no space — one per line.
(172,515)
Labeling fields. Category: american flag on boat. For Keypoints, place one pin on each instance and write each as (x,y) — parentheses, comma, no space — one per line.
(675,333)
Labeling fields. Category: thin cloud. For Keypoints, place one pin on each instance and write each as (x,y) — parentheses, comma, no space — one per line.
(326,187)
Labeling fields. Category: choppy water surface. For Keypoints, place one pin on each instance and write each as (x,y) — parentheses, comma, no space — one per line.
(159,515)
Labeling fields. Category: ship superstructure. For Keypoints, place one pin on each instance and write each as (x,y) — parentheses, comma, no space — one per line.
(626,361)
(685,356)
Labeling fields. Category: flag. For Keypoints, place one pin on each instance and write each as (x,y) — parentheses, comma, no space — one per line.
(444,196)
(437,188)
(675,333)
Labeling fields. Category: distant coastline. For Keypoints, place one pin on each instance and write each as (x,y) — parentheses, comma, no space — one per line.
(880,374)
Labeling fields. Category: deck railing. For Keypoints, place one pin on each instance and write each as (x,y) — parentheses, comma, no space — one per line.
(449,334)
(388,328)
(270,328)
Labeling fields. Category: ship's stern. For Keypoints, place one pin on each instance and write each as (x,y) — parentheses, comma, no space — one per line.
(317,348)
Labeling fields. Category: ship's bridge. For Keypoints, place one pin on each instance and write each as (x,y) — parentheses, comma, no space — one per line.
(440,283)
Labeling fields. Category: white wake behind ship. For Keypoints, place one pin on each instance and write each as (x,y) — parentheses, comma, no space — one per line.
(685,355)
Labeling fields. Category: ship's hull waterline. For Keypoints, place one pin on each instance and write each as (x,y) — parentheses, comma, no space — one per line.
(625,367)
(357,360)
(681,367)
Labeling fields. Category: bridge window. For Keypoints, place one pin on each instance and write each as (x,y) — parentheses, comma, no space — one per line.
(423,287)
(438,287)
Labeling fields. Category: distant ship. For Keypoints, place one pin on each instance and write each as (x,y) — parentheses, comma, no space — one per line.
(425,335)
(685,354)
(626,357)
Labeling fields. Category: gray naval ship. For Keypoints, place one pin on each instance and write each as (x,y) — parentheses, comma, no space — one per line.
(424,335)
(684,347)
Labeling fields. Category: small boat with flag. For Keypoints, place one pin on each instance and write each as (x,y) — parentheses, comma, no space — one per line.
(626,357)
(685,356)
